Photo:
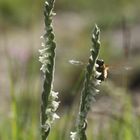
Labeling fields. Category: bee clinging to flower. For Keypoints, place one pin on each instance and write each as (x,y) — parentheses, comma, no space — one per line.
(101,68)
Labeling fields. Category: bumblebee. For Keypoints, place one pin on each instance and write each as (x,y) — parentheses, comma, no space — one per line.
(102,68)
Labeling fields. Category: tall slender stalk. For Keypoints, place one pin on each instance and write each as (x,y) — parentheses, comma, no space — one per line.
(89,88)
(47,58)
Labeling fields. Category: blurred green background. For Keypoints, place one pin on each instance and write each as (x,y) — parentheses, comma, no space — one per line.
(116,114)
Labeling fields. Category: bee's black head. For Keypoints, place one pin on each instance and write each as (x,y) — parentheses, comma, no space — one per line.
(100,62)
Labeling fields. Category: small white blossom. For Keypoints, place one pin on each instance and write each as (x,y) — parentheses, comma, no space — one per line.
(41,59)
(51,116)
(46,126)
(55,105)
(43,51)
(41,37)
(93,36)
(44,68)
(55,94)
(48,111)
(73,135)
(97,90)
(44,59)
(54,117)
(42,44)
(53,14)
(98,82)
(46,3)
(91,58)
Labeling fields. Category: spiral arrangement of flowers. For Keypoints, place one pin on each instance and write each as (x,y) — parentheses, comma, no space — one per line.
(47,58)
(89,91)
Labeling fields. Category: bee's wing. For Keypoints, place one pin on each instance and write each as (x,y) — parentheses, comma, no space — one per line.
(106,71)
(75,62)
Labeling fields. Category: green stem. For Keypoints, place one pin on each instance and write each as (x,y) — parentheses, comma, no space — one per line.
(87,95)
(48,64)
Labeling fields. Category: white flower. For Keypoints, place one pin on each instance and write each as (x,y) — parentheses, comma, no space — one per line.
(44,58)
(46,3)
(41,59)
(53,14)
(46,126)
(48,111)
(51,116)
(98,82)
(42,44)
(73,135)
(97,90)
(55,94)
(54,117)
(55,105)
(43,51)
(91,58)
(41,37)
(44,68)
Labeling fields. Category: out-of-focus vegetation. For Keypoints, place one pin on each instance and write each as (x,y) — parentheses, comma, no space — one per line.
(18,12)
(28,12)
(116,114)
